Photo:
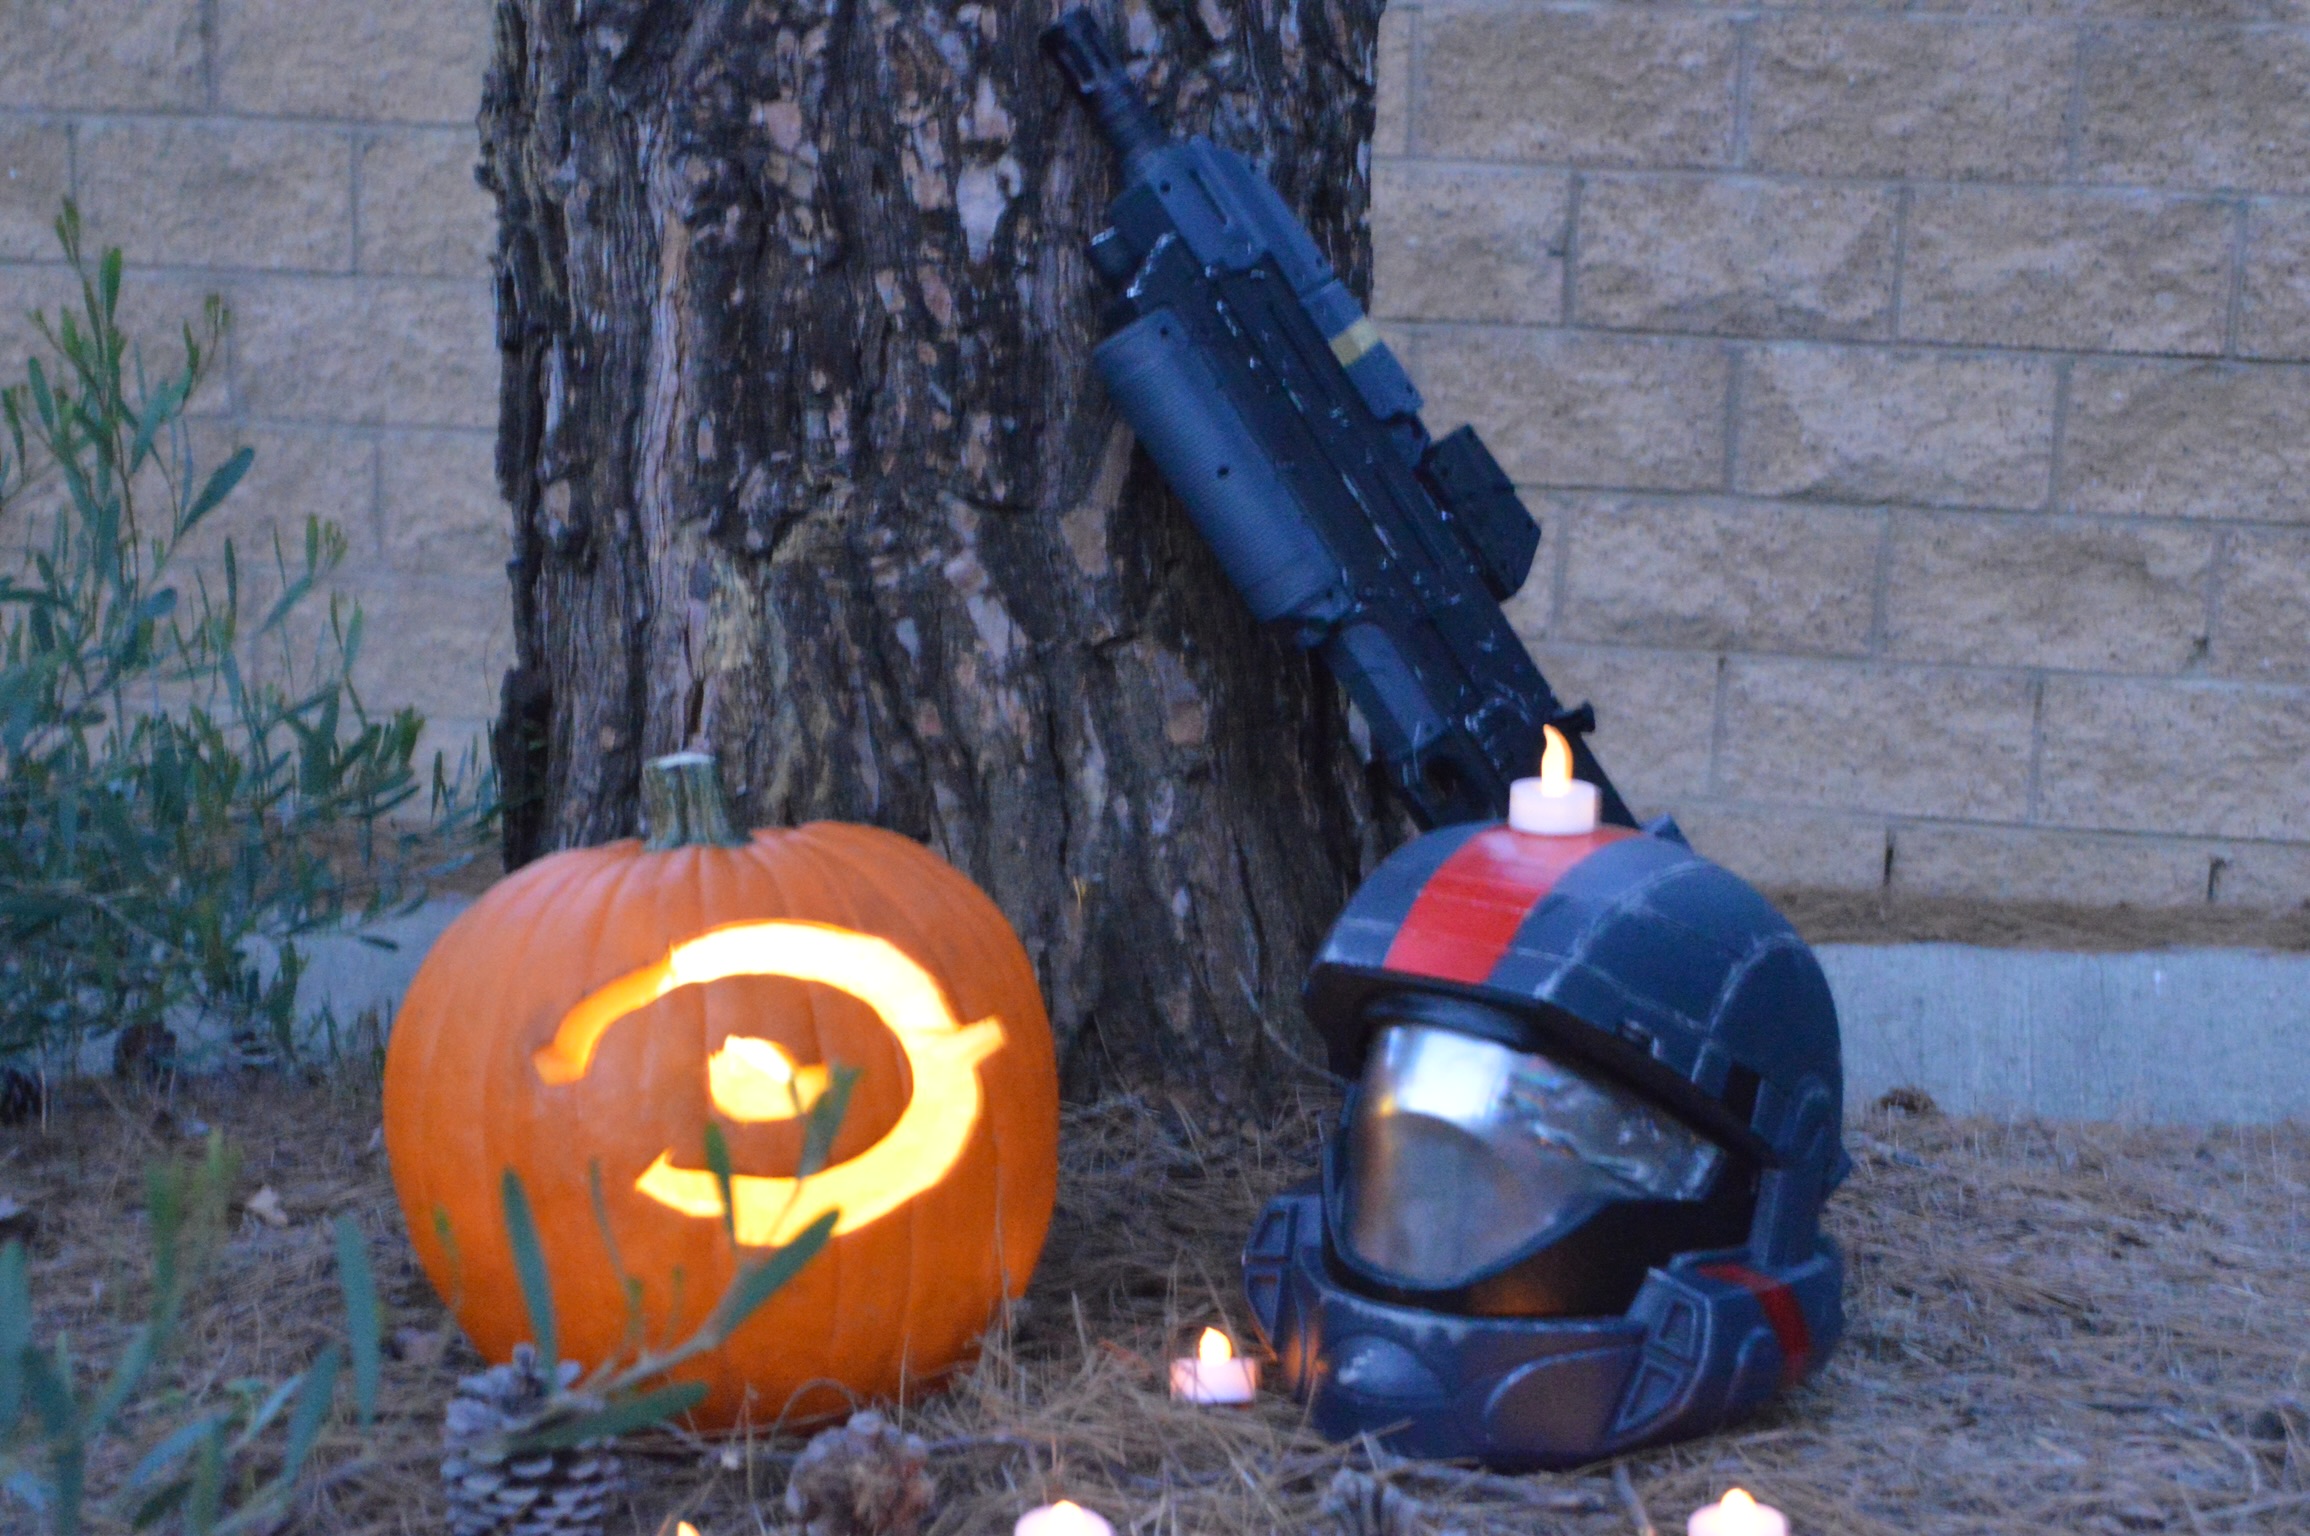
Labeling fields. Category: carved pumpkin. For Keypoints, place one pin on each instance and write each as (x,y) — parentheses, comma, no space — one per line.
(602,1006)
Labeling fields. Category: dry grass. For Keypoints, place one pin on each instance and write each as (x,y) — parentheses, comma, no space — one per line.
(2072,1329)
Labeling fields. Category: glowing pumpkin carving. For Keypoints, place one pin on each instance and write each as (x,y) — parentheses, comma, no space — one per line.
(603,1006)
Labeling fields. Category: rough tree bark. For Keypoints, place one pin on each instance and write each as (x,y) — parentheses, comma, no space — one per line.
(808,469)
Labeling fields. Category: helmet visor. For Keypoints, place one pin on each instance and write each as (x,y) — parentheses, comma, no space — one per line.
(1463,1153)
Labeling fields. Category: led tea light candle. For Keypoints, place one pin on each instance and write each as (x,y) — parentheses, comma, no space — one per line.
(1736,1514)
(1554,804)
(1215,1375)
(1065,1518)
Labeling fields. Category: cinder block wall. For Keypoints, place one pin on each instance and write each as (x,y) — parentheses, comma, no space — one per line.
(311,162)
(1912,395)
(1914,405)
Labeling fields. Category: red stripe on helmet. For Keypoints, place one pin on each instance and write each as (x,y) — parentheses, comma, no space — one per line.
(1781,1310)
(1464,917)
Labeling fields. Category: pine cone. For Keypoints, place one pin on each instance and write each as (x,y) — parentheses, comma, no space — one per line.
(865,1478)
(547,1493)
(1358,1504)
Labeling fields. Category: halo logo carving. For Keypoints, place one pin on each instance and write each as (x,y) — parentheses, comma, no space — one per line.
(753,1080)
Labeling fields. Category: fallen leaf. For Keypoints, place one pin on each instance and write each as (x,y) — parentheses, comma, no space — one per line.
(265,1205)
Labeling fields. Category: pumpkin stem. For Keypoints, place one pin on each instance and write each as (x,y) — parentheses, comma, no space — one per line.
(683,805)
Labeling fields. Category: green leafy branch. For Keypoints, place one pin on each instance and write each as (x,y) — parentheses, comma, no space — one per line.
(50,1430)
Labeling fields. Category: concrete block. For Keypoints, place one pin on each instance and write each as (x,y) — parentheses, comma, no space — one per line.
(2154,439)
(1782,848)
(421,214)
(101,55)
(299,472)
(2048,592)
(1716,575)
(2106,271)
(1483,243)
(23,290)
(2210,759)
(154,309)
(1735,257)
(439,512)
(2214,107)
(1565,409)
(1909,96)
(2262,632)
(1915,741)
(2043,864)
(1860,424)
(2176,1036)
(2274,310)
(1392,105)
(1610,86)
(439,646)
(1654,715)
(211,193)
(35,178)
(368,351)
(417,61)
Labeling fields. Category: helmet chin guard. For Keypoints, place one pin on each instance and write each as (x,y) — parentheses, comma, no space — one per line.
(1573,1207)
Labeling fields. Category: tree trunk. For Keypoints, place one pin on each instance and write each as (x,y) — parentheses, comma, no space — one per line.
(809,470)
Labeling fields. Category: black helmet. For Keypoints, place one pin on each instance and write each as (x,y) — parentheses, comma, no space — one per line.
(1574,1205)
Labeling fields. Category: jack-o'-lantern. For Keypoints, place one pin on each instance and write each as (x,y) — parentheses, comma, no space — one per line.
(602,1007)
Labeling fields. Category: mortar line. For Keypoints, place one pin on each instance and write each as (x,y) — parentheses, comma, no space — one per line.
(1744,75)
(2073,110)
(2241,248)
(356,151)
(2217,573)
(1415,77)
(1559,571)
(1904,198)
(2170,522)
(72,159)
(2003,671)
(1716,725)
(1735,374)
(2057,451)
(208,29)
(2032,808)
(1880,641)
(1568,297)
(1982,351)
(376,493)
(1920,820)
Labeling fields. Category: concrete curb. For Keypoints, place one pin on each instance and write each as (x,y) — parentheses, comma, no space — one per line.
(2193,1036)
(2189,1035)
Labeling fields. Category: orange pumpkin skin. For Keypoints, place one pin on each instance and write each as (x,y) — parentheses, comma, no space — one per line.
(885,1310)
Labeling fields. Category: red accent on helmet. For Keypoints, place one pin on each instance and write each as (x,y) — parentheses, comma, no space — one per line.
(1781,1310)
(1466,915)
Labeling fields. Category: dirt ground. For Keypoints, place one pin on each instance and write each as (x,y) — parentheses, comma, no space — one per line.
(2053,1329)
(1866,917)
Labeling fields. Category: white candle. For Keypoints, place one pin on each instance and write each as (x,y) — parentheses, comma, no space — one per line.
(1554,804)
(1064,1518)
(1215,1375)
(1736,1514)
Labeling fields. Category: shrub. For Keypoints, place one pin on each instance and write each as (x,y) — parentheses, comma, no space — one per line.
(186,783)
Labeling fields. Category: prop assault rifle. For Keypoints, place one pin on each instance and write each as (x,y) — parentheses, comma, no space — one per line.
(1291,432)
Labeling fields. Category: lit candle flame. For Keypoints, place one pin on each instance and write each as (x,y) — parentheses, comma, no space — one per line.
(1555,764)
(1213,1347)
(685,1529)
(751,1080)
(1737,1498)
